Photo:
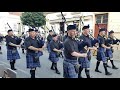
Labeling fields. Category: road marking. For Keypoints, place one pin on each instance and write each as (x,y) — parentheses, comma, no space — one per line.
(18,69)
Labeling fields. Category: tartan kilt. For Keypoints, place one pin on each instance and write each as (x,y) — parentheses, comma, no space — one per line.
(12,56)
(84,62)
(69,70)
(55,60)
(30,61)
(53,57)
(109,53)
(101,56)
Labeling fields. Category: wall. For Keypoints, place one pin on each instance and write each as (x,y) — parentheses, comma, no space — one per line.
(13,21)
(114,23)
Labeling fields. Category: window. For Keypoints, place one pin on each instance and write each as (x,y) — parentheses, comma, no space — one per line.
(103,18)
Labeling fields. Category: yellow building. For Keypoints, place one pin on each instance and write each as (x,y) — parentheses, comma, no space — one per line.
(110,20)
(114,23)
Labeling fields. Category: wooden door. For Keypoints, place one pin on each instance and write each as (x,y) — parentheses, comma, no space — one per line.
(96,32)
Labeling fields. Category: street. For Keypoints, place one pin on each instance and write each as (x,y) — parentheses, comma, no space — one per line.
(45,72)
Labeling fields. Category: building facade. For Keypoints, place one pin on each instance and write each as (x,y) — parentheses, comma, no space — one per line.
(10,21)
(108,20)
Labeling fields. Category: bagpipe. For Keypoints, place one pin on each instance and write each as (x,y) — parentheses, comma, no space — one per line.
(60,47)
(82,45)
(94,42)
(41,42)
(18,39)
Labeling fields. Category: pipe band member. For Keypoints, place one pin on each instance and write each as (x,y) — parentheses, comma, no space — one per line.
(85,62)
(55,51)
(109,52)
(12,43)
(71,53)
(49,38)
(33,52)
(101,52)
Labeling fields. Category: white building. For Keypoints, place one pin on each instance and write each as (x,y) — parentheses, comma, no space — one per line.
(54,19)
(12,20)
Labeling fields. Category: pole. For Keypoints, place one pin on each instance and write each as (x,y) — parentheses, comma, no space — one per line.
(9,26)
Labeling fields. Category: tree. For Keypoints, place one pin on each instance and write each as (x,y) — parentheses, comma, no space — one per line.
(33,19)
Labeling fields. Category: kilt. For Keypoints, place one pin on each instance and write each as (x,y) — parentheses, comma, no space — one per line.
(30,60)
(109,53)
(12,56)
(53,57)
(84,62)
(69,69)
(101,55)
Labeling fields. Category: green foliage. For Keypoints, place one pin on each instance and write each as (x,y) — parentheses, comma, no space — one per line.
(33,19)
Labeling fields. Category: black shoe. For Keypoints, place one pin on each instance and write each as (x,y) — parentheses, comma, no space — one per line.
(57,72)
(80,77)
(97,71)
(108,66)
(52,68)
(13,68)
(108,73)
(114,67)
(0,52)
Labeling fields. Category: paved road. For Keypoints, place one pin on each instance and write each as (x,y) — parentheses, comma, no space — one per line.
(46,72)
